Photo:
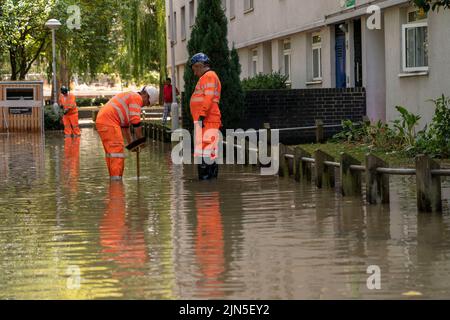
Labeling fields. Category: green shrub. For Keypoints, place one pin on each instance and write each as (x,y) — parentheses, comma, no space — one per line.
(265,81)
(51,120)
(92,102)
(435,140)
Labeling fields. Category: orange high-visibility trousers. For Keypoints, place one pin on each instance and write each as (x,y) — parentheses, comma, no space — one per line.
(207,140)
(112,140)
(71,126)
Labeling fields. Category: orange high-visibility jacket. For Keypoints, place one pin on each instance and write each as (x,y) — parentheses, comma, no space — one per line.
(68,102)
(206,97)
(122,110)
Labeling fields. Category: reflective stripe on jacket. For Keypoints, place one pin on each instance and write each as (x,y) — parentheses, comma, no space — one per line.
(68,102)
(206,97)
(122,110)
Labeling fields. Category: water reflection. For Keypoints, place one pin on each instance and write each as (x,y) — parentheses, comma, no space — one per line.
(169,236)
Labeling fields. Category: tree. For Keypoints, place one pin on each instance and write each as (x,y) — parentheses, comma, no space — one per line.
(209,35)
(427,5)
(22,33)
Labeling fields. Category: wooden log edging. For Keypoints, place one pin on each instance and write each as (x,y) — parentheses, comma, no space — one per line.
(157,132)
(428,175)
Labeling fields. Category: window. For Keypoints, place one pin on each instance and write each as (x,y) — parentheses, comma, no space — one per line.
(415,42)
(191,13)
(316,57)
(232,9)
(248,6)
(254,62)
(183,23)
(287,58)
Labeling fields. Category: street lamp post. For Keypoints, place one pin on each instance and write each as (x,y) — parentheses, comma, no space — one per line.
(54,24)
(174,107)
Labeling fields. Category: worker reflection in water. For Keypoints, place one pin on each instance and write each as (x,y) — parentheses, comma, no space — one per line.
(71,164)
(207,118)
(121,243)
(209,244)
(114,120)
(68,103)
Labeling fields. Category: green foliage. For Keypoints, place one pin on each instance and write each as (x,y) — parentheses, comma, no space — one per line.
(91,102)
(22,33)
(51,120)
(265,81)
(427,5)
(405,127)
(209,35)
(435,141)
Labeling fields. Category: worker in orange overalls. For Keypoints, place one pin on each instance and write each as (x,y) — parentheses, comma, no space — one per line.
(70,119)
(114,120)
(207,118)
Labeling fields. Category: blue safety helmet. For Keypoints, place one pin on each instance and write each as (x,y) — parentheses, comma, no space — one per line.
(200,57)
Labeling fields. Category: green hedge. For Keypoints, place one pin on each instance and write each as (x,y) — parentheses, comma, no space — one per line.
(52,121)
(92,102)
(265,81)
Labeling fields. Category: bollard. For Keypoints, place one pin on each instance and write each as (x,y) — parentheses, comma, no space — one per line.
(283,171)
(324,174)
(377,184)
(302,170)
(350,180)
(319,131)
(428,186)
(290,161)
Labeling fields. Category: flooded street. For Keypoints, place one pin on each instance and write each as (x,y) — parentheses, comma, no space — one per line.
(67,232)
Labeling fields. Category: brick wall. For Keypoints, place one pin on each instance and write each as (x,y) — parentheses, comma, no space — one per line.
(300,108)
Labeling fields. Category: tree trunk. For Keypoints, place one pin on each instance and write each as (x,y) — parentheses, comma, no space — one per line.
(12,60)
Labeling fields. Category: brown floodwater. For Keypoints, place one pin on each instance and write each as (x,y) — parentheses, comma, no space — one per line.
(66,232)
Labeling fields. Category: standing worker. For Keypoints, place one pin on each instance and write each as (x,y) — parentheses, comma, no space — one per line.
(70,118)
(206,114)
(168,99)
(114,120)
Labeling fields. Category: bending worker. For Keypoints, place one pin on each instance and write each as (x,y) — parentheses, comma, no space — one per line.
(70,118)
(114,120)
(206,114)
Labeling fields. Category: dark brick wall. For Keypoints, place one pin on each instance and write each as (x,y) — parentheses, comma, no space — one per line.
(300,108)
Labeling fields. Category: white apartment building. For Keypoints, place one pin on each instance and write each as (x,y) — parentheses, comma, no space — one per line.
(337,44)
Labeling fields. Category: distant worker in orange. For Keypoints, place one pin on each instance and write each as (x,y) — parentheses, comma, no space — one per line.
(206,114)
(68,102)
(113,123)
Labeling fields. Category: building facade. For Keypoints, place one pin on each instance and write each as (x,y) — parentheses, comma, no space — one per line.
(400,56)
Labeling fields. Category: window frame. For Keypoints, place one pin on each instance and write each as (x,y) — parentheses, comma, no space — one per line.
(406,26)
(191,13)
(251,6)
(288,53)
(316,46)
(255,59)
(183,23)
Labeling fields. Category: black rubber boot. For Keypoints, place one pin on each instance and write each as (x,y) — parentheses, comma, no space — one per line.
(214,171)
(203,171)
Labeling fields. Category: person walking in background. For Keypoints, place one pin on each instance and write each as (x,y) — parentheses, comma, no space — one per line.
(67,101)
(168,99)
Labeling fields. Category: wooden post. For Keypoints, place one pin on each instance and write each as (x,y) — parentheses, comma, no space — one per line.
(377,184)
(350,179)
(302,169)
(428,186)
(283,170)
(319,131)
(324,174)
(290,161)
